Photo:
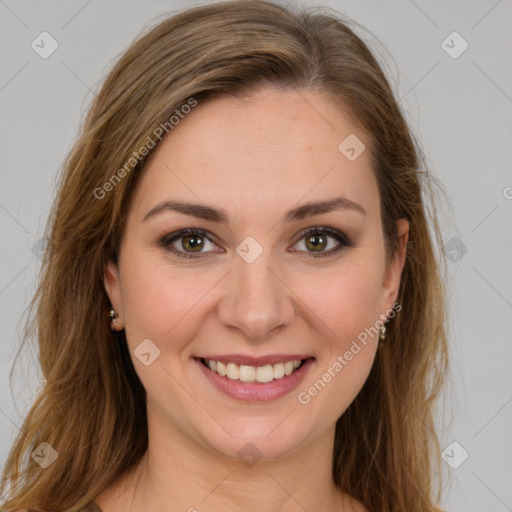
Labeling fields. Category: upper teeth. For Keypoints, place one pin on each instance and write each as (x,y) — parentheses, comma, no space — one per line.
(245,373)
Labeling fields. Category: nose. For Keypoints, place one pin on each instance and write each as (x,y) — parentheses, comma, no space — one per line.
(256,300)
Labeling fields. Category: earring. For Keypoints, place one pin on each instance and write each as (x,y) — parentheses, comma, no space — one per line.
(382,333)
(115,324)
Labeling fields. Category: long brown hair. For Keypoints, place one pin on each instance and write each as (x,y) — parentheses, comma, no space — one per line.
(91,408)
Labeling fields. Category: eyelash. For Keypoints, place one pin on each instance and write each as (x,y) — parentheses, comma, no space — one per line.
(166,241)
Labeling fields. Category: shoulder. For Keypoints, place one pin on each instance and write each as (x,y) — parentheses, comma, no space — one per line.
(359,507)
(351,504)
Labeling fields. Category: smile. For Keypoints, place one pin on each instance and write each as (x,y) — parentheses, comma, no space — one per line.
(264,382)
(244,373)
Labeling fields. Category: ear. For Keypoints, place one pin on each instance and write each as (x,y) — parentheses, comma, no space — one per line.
(112,285)
(393,273)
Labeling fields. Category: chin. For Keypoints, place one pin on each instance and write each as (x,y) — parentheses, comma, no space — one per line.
(258,438)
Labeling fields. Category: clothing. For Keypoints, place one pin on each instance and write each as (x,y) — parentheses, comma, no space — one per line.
(91,507)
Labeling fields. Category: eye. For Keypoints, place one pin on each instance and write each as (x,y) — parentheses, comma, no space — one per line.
(316,241)
(186,242)
(190,242)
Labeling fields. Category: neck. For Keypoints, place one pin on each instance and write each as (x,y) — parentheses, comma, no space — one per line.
(184,472)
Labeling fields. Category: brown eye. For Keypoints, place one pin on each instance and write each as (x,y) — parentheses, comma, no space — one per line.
(317,242)
(187,243)
(193,243)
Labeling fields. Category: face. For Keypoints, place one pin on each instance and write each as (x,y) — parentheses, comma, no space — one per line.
(260,280)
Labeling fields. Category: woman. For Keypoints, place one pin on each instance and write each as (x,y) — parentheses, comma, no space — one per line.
(240,307)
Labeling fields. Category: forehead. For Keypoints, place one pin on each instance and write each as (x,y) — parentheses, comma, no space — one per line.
(265,151)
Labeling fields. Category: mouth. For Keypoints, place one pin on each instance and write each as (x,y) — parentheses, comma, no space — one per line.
(246,373)
(257,382)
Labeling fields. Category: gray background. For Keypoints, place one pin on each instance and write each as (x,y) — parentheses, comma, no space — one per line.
(460,108)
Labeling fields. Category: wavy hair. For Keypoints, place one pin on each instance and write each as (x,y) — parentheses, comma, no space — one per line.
(91,407)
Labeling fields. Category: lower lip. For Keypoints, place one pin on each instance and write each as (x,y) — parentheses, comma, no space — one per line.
(257,391)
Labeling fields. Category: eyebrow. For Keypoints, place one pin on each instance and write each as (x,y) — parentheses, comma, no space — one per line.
(210,213)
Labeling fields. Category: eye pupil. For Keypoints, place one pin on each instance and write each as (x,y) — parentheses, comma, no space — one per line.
(193,241)
(318,241)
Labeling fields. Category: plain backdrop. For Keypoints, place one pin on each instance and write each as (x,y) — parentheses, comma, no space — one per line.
(450,65)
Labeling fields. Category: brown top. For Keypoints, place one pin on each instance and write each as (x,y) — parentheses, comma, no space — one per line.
(91,507)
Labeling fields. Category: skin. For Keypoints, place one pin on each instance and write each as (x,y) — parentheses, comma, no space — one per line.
(256,159)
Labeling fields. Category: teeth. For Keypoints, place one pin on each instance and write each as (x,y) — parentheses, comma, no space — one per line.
(288,367)
(232,371)
(278,370)
(221,368)
(244,373)
(265,373)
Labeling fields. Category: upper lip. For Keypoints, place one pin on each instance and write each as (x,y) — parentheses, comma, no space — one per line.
(241,359)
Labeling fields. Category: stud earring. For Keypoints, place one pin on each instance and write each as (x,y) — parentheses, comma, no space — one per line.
(382,333)
(115,323)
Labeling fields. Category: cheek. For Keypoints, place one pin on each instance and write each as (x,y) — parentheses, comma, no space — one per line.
(159,300)
(346,300)
(347,304)
(161,304)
